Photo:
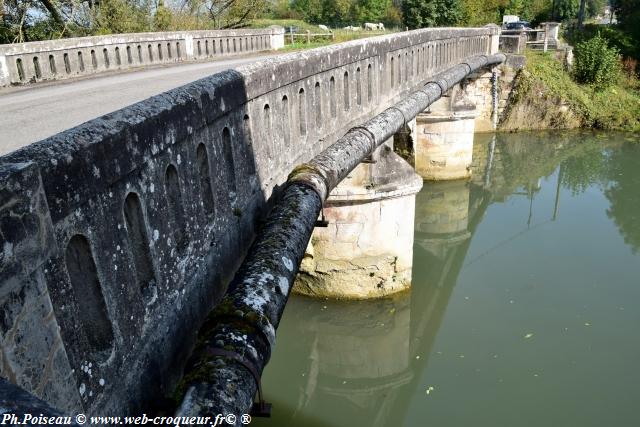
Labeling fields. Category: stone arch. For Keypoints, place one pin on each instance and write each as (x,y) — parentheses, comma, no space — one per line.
(345,91)
(227,150)
(332,96)
(139,241)
(302,112)
(358,86)
(87,290)
(175,205)
(318,104)
(204,173)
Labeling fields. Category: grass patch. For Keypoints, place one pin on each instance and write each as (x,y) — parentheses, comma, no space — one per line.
(299,45)
(301,25)
(614,108)
(300,42)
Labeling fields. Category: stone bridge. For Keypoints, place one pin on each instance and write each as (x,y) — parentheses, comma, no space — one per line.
(120,235)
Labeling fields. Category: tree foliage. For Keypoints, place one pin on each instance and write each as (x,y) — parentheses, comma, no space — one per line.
(623,194)
(566,9)
(432,13)
(346,12)
(227,13)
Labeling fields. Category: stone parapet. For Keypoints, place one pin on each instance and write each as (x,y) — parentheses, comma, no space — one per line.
(23,63)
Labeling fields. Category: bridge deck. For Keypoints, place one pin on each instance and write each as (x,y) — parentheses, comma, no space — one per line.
(32,113)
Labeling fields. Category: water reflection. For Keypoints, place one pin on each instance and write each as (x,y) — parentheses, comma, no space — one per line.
(623,192)
(506,290)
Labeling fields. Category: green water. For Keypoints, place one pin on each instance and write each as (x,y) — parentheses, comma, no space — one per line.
(524,308)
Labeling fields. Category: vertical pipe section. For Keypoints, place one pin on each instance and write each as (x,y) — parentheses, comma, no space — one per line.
(494,98)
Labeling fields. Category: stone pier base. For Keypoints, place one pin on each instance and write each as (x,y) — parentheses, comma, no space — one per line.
(444,147)
(366,251)
(443,209)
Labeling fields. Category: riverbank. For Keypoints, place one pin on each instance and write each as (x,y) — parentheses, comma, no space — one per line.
(544,96)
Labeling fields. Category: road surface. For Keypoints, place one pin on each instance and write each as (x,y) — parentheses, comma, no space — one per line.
(32,113)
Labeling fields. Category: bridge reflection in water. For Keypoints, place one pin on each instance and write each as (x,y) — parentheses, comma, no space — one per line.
(365,363)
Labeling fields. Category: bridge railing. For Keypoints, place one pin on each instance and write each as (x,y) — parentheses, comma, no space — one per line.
(124,231)
(24,63)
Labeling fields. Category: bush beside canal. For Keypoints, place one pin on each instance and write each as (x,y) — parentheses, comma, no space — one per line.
(545,96)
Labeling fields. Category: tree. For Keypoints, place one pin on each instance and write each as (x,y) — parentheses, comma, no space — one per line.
(121,16)
(227,13)
(370,10)
(595,7)
(311,10)
(566,9)
(581,14)
(432,13)
(482,12)
(628,15)
(162,18)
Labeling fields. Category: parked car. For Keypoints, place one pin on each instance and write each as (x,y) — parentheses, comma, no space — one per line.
(519,25)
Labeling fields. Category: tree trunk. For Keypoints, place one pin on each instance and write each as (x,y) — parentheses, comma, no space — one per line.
(53,11)
(581,14)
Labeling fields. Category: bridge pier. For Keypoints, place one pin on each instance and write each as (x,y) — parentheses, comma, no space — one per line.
(444,211)
(444,144)
(366,250)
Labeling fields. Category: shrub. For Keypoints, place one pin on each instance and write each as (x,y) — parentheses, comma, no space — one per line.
(596,63)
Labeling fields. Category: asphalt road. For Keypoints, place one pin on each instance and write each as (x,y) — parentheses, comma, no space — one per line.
(32,113)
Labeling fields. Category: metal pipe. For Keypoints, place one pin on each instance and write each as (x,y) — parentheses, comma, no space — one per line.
(494,99)
(244,323)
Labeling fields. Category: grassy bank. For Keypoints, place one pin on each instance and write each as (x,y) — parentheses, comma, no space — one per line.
(545,95)
(300,42)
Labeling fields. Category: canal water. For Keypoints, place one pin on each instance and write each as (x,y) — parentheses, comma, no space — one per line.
(524,308)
